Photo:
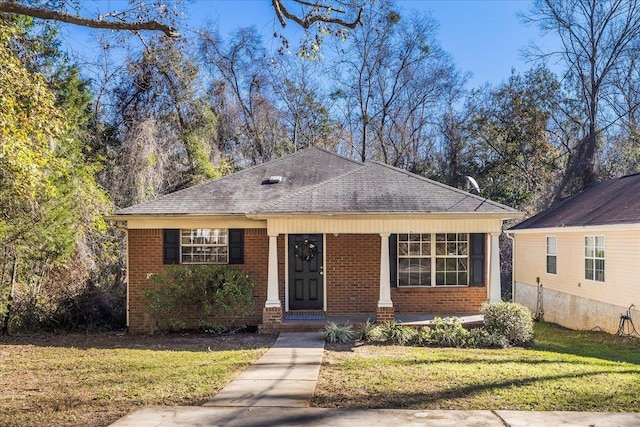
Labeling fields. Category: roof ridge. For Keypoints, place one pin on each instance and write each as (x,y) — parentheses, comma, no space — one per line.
(445,186)
(309,188)
(335,154)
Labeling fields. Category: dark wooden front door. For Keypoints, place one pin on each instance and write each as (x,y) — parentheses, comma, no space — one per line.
(305,272)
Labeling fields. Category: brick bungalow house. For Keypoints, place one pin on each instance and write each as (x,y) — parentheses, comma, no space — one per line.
(320,235)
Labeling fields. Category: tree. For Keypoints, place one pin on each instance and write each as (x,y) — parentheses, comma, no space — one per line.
(243,96)
(511,148)
(304,107)
(327,16)
(393,79)
(598,37)
(50,205)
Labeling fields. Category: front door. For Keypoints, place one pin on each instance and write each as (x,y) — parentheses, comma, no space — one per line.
(305,272)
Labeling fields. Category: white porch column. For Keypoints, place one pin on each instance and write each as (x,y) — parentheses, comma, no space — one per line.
(273,297)
(495,294)
(385,284)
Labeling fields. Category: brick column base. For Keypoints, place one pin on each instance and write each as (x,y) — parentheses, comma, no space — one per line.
(271,315)
(385,314)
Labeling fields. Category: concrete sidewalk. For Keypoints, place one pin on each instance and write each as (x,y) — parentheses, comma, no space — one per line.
(284,376)
(277,388)
(179,416)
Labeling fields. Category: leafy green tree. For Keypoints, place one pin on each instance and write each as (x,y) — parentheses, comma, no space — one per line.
(512,151)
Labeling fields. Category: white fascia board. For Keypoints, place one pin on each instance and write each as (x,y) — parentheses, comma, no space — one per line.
(574,229)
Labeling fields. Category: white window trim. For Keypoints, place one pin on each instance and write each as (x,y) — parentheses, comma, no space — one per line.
(433,257)
(594,258)
(546,242)
(213,245)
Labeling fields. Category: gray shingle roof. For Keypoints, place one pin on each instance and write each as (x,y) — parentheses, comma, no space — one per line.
(319,181)
(243,191)
(376,187)
(616,201)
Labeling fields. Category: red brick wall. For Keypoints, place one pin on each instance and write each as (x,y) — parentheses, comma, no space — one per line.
(353,283)
(145,258)
(352,273)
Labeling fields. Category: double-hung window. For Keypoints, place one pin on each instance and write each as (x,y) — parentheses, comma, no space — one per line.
(594,258)
(204,246)
(552,255)
(433,259)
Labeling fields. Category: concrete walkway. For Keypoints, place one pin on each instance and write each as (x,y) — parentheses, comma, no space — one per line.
(277,388)
(284,376)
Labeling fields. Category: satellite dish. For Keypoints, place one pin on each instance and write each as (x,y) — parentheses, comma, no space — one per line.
(473,183)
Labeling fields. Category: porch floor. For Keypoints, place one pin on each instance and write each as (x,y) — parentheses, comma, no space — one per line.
(294,322)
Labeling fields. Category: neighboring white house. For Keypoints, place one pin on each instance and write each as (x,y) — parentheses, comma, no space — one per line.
(579,261)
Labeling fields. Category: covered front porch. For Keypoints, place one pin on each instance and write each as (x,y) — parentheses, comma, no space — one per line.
(356,270)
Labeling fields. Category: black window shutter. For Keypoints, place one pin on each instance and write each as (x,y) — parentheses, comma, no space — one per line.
(236,246)
(393,260)
(171,246)
(477,259)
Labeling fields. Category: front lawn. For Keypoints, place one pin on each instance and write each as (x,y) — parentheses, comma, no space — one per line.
(94,379)
(566,370)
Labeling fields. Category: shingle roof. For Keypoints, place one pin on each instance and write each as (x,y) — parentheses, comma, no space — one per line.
(376,187)
(319,181)
(243,191)
(616,201)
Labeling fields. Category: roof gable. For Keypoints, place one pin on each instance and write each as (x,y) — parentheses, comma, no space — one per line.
(616,201)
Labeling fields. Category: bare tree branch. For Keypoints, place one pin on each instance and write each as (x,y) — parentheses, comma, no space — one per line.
(53,15)
(309,19)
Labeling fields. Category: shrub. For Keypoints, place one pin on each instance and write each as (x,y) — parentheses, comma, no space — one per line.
(335,333)
(396,333)
(480,338)
(368,331)
(447,332)
(208,290)
(509,320)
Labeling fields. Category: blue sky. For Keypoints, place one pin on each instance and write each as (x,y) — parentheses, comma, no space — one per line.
(484,37)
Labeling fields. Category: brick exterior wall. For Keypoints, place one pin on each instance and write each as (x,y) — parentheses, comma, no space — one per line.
(353,283)
(145,258)
(352,272)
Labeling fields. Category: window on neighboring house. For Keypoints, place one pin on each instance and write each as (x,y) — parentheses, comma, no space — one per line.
(204,246)
(433,259)
(552,255)
(594,258)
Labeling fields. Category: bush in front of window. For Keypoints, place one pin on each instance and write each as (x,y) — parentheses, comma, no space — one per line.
(219,291)
(510,320)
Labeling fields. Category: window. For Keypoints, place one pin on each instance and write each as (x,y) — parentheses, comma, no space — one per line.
(414,260)
(420,265)
(552,255)
(204,246)
(452,259)
(594,258)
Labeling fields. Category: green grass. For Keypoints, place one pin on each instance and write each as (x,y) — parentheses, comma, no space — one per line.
(47,383)
(566,370)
